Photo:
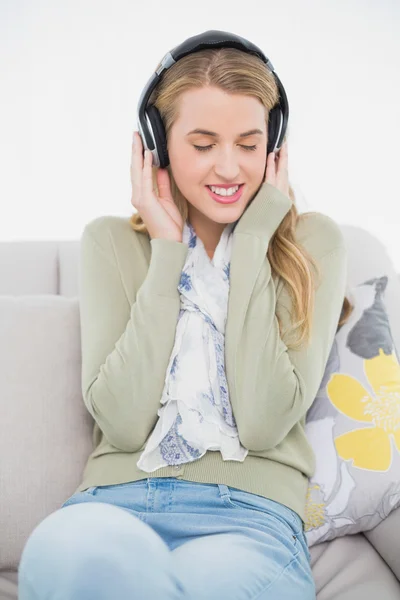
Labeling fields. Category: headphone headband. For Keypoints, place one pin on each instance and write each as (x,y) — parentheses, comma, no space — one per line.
(150,125)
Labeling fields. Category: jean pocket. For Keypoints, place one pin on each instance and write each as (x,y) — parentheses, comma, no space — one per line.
(246,500)
(286,523)
(243,499)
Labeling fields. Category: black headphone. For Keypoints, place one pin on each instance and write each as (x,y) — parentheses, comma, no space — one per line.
(150,125)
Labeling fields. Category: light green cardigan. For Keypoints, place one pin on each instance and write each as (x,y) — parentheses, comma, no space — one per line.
(129,307)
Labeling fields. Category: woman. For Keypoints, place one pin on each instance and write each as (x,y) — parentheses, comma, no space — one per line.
(191,303)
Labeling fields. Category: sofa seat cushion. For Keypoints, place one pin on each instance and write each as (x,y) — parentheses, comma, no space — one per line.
(349,568)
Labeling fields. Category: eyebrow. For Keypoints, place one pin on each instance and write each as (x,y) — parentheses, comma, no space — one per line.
(213,134)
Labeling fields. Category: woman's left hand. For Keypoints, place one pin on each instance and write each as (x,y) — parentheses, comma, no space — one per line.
(277,170)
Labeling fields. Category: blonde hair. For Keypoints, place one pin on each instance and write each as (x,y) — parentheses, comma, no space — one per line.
(236,72)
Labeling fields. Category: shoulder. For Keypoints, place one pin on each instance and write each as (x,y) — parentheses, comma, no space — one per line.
(102,227)
(111,231)
(114,238)
(319,234)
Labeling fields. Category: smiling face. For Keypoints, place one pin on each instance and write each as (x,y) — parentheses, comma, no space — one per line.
(229,158)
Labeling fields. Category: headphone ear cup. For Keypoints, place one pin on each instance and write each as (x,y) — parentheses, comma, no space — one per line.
(274,122)
(160,139)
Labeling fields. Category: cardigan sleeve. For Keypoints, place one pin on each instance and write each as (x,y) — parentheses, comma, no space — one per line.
(278,385)
(126,349)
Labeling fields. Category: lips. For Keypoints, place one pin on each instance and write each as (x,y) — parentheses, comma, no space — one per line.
(226,199)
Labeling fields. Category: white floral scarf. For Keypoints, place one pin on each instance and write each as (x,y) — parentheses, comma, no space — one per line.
(196,414)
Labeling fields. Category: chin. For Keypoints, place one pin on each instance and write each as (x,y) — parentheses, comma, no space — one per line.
(226,218)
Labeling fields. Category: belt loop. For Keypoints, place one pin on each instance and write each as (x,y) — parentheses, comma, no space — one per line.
(223,490)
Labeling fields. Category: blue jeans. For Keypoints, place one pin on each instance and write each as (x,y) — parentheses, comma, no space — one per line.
(167,539)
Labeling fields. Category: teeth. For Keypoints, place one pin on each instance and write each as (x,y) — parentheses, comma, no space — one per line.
(223,191)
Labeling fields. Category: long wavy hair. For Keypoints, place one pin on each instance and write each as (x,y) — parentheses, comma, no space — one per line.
(236,72)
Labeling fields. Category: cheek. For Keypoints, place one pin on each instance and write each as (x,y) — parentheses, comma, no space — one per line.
(189,172)
(183,163)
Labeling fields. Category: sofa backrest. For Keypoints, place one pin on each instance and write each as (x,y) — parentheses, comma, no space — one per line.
(51,267)
(39,267)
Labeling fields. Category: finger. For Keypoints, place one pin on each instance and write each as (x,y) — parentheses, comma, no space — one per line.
(283,154)
(270,173)
(136,164)
(268,168)
(282,175)
(137,147)
(147,177)
(282,166)
(163,183)
(137,155)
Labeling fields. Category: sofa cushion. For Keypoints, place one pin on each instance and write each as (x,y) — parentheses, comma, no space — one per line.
(349,568)
(385,538)
(46,431)
(354,423)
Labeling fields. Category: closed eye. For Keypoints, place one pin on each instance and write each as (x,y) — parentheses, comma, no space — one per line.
(205,148)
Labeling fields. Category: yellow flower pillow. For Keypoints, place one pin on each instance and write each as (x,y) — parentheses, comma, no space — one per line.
(354,424)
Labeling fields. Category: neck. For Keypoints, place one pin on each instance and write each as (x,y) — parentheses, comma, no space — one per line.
(207,230)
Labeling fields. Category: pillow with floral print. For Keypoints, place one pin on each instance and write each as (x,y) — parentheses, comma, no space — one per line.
(354,424)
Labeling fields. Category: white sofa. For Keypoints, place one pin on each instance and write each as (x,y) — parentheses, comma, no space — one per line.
(46,433)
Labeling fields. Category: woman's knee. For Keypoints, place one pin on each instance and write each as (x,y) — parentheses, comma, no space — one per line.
(81,532)
(95,550)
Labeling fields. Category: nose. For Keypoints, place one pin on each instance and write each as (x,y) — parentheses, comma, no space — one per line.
(227,166)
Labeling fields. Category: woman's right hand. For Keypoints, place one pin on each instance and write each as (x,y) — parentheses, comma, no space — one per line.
(160,214)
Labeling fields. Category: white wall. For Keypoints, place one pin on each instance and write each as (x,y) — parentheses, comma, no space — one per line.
(72,73)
